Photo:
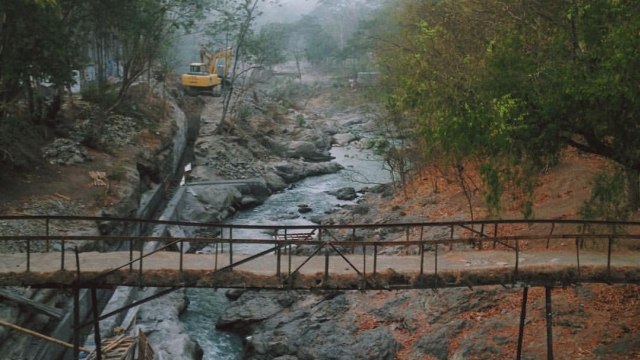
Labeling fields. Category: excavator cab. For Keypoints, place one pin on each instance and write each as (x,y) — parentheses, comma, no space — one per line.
(198,69)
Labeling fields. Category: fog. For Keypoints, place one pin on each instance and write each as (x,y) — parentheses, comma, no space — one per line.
(287,11)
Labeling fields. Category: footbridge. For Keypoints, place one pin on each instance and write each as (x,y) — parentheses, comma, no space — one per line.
(354,256)
(95,252)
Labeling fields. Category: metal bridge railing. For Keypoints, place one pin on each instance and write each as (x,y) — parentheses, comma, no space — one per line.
(327,240)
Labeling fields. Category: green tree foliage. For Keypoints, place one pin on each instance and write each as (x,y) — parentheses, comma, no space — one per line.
(234,25)
(43,41)
(319,46)
(608,198)
(268,46)
(511,83)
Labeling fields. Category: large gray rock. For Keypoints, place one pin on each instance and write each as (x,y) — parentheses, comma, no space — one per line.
(192,209)
(216,196)
(314,329)
(346,193)
(343,139)
(292,171)
(159,319)
(251,308)
(436,343)
(306,150)
(274,181)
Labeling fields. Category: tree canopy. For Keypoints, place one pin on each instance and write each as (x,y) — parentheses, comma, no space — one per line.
(512,83)
(44,41)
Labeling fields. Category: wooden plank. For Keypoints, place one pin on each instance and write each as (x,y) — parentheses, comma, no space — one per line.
(38,335)
(32,305)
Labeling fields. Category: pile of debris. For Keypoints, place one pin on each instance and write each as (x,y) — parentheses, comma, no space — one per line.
(111,132)
(65,152)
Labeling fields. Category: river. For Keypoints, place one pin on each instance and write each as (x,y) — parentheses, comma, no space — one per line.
(362,168)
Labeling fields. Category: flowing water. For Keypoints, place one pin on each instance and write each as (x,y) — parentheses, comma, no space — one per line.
(362,168)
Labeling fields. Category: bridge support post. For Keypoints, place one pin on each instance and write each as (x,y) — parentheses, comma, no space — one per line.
(515,273)
(28,255)
(230,246)
(131,255)
(326,266)
(421,251)
(523,317)
(364,267)
(375,259)
(578,261)
(181,256)
(96,323)
(76,308)
(609,258)
(289,263)
(435,267)
(47,234)
(76,321)
(549,316)
(278,252)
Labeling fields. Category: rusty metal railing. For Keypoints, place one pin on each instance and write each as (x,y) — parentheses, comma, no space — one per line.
(328,240)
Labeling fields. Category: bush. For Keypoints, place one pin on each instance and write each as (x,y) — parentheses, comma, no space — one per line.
(92,93)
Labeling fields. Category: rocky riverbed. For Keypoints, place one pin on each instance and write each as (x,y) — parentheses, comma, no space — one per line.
(239,163)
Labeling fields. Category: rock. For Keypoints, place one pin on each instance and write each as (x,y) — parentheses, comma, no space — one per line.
(346,193)
(194,210)
(65,152)
(248,202)
(303,209)
(436,343)
(251,308)
(343,139)
(169,338)
(316,219)
(216,196)
(294,170)
(234,294)
(274,181)
(298,149)
(377,343)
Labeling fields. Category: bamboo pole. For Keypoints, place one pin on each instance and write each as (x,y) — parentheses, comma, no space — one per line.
(38,335)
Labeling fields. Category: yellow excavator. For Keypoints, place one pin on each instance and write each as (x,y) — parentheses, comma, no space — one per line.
(210,74)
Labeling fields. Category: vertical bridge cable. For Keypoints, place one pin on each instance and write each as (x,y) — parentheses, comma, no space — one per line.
(523,317)
(549,316)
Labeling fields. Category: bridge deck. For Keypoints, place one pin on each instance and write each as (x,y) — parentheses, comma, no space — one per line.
(468,268)
(530,251)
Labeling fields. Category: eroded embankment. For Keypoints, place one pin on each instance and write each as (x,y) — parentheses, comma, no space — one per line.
(147,153)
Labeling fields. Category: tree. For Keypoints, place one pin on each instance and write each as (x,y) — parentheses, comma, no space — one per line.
(37,46)
(268,47)
(43,41)
(511,83)
(235,20)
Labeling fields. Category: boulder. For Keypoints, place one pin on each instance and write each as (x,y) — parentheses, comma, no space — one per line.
(343,139)
(346,193)
(160,320)
(216,196)
(306,150)
(292,171)
(274,181)
(250,308)
(436,343)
